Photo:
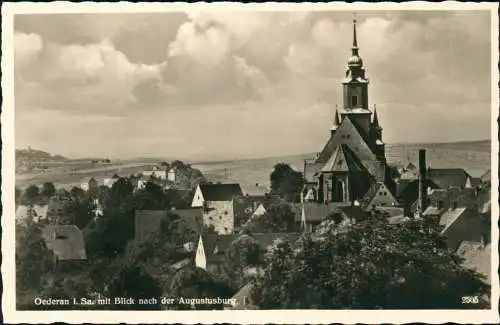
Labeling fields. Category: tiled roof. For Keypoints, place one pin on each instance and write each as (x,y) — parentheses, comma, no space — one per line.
(193,218)
(220,192)
(268,239)
(392,211)
(311,169)
(446,177)
(475,181)
(337,162)
(147,222)
(216,246)
(450,216)
(66,241)
(486,177)
(432,211)
(318,211)
(355,212)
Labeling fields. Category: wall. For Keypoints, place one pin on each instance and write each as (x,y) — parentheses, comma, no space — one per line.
(220,214)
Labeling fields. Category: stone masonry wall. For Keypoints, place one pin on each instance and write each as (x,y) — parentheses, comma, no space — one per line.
(220,214)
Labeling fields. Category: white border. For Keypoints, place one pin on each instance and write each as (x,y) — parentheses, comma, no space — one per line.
(233,316)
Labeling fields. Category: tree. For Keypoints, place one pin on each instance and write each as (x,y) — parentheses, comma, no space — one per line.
(77,193)
(278,218)
(32,192)
(80,212)
(33,259)
(287,182)
(245,252)
(151,197)
(133,281)
(193,282)
(48,189)
(370,265)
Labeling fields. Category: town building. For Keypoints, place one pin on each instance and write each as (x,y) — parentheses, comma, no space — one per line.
(35,212)
(159,172)
(66,242)
(89,184)
(217,203)
(213,248)
(352,166)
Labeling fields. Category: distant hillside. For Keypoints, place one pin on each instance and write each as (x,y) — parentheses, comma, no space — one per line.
(37,155)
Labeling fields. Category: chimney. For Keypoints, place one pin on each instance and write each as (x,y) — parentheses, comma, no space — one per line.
(422,180)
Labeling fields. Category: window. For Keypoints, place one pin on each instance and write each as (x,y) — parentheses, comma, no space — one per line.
(440,204)
(348,136)
(354,100)
(225,213)
(454,205)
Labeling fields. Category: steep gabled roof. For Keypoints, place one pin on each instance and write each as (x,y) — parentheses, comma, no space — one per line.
(337,162)
(364,152)
(317,212)
(66,241)
(446,177)
(449,217)
(220,192)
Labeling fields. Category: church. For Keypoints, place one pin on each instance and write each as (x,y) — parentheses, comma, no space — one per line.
(352,163)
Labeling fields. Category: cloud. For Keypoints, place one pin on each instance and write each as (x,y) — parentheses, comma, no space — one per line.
(26,48)
(207,78)
(85,79)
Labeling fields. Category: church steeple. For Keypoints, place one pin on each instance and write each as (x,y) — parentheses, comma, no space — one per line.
(375,118)
(355,87)
(355,62)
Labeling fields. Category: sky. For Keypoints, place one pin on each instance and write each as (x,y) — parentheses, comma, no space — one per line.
(227,85)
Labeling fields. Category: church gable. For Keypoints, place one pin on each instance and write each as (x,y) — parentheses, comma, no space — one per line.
(349,135)
(337,162)
(378,195)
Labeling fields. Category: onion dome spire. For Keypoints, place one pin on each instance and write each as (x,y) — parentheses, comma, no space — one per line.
(355,60)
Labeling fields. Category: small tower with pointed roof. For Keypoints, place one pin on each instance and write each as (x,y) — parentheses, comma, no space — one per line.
(336,122)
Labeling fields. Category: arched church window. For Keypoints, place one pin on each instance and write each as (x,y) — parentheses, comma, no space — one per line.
(338,191)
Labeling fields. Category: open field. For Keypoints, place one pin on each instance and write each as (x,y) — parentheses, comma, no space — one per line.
(472,156)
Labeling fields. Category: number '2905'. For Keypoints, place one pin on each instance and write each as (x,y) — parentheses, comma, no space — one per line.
(470,300)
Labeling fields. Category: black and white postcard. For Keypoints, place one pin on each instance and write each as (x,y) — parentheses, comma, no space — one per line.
(250,163)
